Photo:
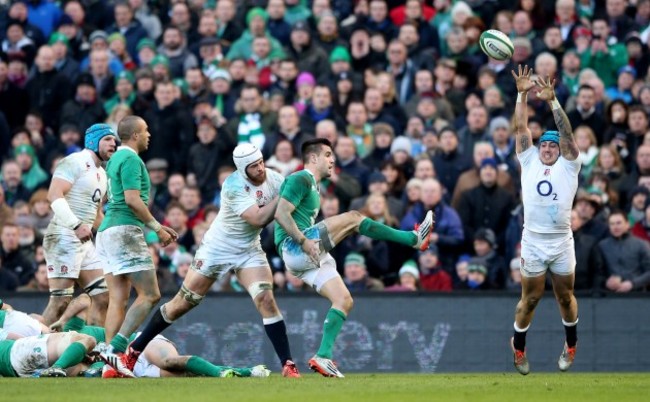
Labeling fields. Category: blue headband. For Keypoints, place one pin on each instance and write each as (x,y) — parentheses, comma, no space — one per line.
(95,133)
(552,136)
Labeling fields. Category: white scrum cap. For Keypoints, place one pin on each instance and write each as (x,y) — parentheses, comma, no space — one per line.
(244,155)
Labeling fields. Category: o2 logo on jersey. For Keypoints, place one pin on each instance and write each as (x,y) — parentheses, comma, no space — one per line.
(97,196)
(545,189)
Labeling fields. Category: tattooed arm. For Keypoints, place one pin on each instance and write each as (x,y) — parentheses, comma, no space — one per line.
(524,138)
(568,145)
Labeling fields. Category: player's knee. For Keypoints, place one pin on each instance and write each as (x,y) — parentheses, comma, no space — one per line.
(88,341)
(266,303)
(355,216)
(347,302)
(174,363)
(530,303)
(564,300)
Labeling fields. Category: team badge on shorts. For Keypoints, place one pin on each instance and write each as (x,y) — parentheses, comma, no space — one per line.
(64,269)
(198,264)
(522,262)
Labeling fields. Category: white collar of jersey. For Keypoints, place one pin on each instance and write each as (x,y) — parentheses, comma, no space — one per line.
(127,148)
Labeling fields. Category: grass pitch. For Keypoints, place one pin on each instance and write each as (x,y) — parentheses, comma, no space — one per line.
(355,387)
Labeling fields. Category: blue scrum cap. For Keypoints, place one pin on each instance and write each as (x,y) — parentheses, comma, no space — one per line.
(552,136)
(95,133)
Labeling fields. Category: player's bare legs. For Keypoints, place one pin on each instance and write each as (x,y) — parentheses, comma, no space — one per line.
(118,298)
(59,298)
(563,289)
(259,284)
(92,282)
(194,288)
(179,305)
(148,295)
(339,295)
(532,290)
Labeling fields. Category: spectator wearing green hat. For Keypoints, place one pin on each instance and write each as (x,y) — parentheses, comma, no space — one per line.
(85,108)
(182,88)
(356,276)
(117,46)
(160,67)
(64,64)
(124,92)
(33,174)
(256,19)
(146,52)
(340,65)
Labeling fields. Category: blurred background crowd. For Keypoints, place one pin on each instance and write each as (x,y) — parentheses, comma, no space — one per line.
(420,119)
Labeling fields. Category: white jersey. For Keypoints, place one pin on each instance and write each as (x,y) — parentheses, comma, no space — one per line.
(88,185)
(547,192)
(229,232)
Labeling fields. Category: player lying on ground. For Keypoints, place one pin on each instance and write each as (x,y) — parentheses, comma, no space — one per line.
(59,354)
(19,324)
(159,359)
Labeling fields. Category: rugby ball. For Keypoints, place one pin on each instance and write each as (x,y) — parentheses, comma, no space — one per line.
(496,44)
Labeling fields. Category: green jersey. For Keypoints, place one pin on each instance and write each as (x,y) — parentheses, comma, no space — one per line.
(3,314)
(6,369)
(301,190)
(125,171)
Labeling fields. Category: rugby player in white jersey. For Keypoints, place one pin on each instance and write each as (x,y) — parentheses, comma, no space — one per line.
(232,243)
(549,181)
(76,192)
(18,323)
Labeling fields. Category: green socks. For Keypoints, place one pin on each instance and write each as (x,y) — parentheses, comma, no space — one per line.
(201,367)
(75,324)
(74,354)
(331,328)
(379,231)
(119,343)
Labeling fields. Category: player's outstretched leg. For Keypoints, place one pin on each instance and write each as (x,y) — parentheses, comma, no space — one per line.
(341,226)
(532,289)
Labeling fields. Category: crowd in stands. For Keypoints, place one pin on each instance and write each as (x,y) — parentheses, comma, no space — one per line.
(421,120)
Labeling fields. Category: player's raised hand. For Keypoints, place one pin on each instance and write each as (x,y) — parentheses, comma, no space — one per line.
(523,80)
(84,233)
(547,86)
(167,235)
(312,249)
